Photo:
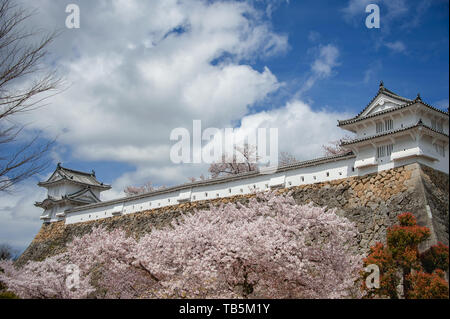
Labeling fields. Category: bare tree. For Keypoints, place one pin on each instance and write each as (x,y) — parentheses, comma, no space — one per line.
(245,160)
(286,158)
(24,85)
(7,252)
(335,147)
(136,190)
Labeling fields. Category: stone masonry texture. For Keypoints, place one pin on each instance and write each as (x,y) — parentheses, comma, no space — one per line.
(371,201)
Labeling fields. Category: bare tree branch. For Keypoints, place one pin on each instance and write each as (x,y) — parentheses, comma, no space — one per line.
(286,158)
(7,252)
(335,147)
(245,160)
(25,83)
(136,190)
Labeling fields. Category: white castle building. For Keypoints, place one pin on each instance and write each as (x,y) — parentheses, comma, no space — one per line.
(391,131)
(68,188)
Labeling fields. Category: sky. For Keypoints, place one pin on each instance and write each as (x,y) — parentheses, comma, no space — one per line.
(135,70)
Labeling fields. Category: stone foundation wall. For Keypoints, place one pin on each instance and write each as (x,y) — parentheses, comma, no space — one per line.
(372,202)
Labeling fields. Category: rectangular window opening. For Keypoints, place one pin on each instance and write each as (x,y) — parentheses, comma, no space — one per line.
(379,127)
(388,125)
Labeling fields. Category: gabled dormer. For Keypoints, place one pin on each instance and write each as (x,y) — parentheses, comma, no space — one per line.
(383,101)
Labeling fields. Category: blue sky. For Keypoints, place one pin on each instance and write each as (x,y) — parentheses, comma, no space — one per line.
(136,70)
(364,57)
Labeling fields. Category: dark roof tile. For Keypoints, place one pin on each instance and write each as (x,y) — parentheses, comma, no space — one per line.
(75,176)
(420,123)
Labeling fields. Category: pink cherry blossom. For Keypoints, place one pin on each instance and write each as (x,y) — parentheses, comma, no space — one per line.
(269,247)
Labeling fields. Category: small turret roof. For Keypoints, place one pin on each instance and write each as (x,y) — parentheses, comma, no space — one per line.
(74,176)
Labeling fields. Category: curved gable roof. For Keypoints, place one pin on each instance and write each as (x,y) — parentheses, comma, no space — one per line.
(74,176)
(403,102)
(383,91)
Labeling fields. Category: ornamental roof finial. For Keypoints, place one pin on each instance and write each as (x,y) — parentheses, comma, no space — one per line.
(418,98)
(381,85)
(58,165)
(93,173)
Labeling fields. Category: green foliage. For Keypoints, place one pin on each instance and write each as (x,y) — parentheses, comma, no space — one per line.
(8,295)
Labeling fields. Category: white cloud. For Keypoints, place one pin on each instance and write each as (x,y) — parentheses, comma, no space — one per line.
(302,130)
(397,46)
(390,12)
(125,96)
(372,71)
(20,218)
(313,36)
(271,5)
(327,59)
(131,84)
(420,10)
(394,8)
(322,66)
(394,13)
(355,8)
(443,104)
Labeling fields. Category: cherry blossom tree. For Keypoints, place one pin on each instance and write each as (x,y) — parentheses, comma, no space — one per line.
(108,257)
(269,247)
(102,258)
(44,279)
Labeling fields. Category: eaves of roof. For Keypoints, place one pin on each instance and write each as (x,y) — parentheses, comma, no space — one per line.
(100,185)
(356,119)
(419,124)
(59,201)
(383,90)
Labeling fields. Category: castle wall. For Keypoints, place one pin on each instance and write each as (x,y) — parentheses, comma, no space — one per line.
(222,189)
(372,202)
(405,152)
(324,172)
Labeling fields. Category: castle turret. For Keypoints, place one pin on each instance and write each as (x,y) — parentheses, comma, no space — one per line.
(393,130)
(68,188)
